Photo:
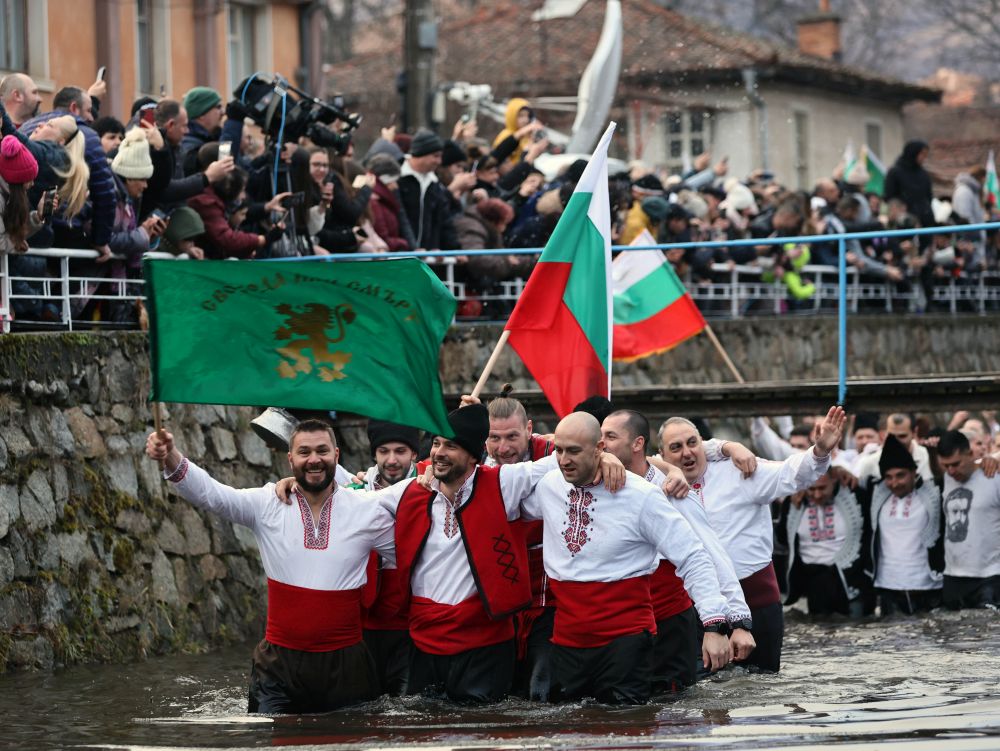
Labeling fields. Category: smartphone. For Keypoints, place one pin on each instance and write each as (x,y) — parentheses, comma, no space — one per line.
(225,149)
(159,214)
(294,200)
(148,114)
(163,91)
(100,73)
(540,134)
(466,117)
(49,199)
(475,166)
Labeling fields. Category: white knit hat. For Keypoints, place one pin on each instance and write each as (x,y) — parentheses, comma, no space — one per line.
(133,162)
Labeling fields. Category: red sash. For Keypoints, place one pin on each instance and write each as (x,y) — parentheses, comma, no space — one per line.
(449,629)
(667,591)
(384,600)
(312,620)
(495,553)
(592,614)
(760,589)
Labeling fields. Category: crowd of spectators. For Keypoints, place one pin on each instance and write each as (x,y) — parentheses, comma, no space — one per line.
(197,176)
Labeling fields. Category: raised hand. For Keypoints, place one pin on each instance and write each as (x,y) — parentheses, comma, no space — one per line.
(830,431)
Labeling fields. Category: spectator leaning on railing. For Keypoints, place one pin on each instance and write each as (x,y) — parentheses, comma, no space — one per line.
(17,170)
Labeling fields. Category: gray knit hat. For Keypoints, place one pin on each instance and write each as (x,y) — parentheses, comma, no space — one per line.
(425,142)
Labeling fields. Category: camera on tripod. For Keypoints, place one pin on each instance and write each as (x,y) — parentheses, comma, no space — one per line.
(288,113)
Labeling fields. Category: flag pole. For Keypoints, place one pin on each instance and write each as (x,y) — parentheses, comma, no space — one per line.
(501,343)
(158,426)
(718,345)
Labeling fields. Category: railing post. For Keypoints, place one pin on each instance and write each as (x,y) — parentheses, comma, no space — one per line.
(842,322)
(5,306)
(734,292)
(67,317)
(982,292)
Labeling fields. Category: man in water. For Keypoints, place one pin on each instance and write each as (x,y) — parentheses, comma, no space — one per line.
(314,552)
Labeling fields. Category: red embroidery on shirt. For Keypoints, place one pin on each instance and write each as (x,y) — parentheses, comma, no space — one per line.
(578,519)
(821,530)
(450,522)
(313,538)
(180,473)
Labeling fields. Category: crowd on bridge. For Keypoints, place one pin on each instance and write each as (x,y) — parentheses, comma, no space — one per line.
(495,561)
(196,175)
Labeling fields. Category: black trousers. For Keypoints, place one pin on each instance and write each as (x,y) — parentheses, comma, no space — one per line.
(391,651)
(907,601)
(288,681)
(824,590)
(769,633)
(482,674)
(533,674)
(620,672)
(676,650)
(965,592)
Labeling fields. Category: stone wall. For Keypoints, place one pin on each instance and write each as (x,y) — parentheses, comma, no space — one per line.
(98,561)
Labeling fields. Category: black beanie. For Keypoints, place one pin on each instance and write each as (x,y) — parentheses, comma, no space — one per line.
(895,456)
(866,420)
(452,154)
(471,426)
(598,406)
(381,432)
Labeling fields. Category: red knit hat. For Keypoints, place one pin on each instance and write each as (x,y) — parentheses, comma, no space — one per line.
(17,165)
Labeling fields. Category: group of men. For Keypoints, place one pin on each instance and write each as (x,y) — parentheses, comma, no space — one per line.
(895,523)
(558,567)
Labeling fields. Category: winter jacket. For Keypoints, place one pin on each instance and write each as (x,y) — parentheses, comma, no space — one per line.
(168,188)
(389,219)
(102,198)
(476,233)
(127,237)
(911,183)
(428,209)
(514,106)
(220,240)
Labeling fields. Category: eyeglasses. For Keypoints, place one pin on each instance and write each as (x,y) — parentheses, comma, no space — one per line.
(318,165)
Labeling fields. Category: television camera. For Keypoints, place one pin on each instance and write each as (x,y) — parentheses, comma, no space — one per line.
(287,113)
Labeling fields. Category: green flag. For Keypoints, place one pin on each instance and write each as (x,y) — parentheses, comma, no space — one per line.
(358,336)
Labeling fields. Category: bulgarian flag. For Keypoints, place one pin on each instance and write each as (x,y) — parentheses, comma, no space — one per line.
(653,312)
(561,326)
(873,166)
(991,186)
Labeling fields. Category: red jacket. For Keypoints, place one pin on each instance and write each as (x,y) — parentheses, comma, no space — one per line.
(220,240)
(385,210)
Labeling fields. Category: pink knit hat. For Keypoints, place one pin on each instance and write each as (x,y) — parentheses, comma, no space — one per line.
(17,165)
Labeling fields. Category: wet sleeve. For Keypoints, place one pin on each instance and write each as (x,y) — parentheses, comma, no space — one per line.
(729,583)
(662,526)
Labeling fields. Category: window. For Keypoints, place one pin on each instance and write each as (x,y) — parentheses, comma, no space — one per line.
(688,133)
(800,127)
(144,45)
(242,34)
(13,35)
(873,139)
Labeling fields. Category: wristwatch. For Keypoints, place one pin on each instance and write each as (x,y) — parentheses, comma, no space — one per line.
(744,623)
(716,627)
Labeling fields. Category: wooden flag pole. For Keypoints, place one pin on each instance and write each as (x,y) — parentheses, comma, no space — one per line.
(718,345)
(501,343)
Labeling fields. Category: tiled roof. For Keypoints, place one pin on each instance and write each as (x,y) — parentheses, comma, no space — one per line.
(499,44)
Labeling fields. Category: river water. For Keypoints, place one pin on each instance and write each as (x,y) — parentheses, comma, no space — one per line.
(924,683)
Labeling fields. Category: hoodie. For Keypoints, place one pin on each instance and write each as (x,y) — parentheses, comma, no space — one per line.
(911,183)
(514,106)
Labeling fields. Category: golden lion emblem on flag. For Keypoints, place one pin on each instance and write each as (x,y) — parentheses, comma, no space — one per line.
(305,330)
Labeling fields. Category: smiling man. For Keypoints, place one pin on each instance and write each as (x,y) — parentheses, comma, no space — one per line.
(738,510)
(314,551)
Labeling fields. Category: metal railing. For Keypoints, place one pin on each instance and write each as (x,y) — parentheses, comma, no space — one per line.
(735,291)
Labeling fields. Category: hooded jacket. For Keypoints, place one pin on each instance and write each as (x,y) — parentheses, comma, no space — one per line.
(911,183)
(514,106)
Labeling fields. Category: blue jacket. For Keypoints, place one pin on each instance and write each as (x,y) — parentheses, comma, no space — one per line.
(101,183)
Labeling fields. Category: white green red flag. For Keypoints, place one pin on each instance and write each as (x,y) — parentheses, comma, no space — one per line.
(561,325)
(991,186)
(653,311)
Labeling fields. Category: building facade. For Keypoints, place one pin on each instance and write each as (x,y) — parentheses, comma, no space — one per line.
(149,47)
